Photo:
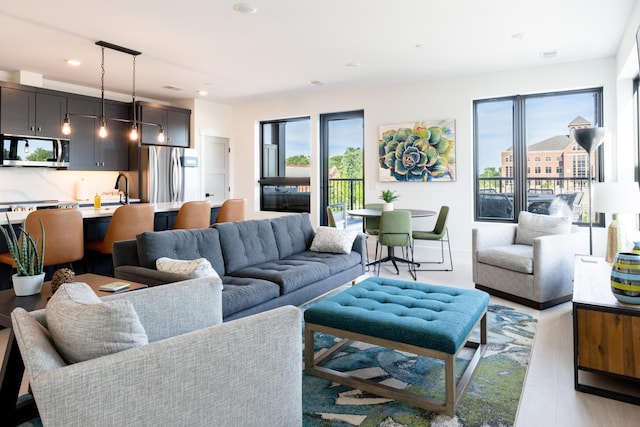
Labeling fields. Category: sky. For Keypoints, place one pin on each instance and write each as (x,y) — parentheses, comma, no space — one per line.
(545,116)
(343,133)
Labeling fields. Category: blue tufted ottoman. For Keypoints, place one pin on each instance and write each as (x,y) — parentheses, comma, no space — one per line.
(428,320)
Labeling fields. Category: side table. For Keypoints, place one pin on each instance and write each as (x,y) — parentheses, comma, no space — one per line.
(12,365)
(606,334)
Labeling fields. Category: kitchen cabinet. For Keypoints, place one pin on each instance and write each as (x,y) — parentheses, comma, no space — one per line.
(174,121)
(31,113)
(87,151)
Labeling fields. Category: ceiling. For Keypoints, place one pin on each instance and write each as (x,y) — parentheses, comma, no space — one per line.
(193,45)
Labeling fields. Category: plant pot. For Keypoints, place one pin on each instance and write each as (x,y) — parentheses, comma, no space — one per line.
(387,206)
(625,277)
(27,285)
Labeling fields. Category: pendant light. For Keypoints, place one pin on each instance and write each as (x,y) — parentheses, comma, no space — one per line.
(102,118)
(102,132)
(134,126)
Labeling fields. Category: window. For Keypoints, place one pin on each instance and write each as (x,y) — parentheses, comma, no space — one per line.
(534,127)
(286,154)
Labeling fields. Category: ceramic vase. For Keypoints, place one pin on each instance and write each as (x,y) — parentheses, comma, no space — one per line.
(27,285)
(387,206)
(625,277)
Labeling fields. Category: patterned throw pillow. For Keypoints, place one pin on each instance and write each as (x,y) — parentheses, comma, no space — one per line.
(334,240)
(83,327)
(200,267)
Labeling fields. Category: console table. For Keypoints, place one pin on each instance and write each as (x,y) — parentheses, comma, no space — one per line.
(606,334)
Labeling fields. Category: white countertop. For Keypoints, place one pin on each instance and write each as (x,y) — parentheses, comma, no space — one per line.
(89,212)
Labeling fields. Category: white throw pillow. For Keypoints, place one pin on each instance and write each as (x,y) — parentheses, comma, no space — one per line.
(334,240)
(200,267)
(84,327)
(532,225)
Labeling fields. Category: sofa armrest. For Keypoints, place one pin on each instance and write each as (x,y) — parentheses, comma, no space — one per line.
(360,246)
(488,237)
(147,276)
(554,260)
(125,252)
(225,374)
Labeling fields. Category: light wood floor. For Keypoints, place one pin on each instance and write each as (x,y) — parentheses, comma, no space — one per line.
(549,398)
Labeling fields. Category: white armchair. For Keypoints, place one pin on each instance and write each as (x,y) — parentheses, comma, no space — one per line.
(195,370)
(530,263)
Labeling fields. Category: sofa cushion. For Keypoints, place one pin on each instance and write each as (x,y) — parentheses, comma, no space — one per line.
(181,244)
(246,243)
(193,268)
(83,327)
(517,258)
(333,240)
(335,262)
(532,225)
(288,274)
(241,293)
(293,233)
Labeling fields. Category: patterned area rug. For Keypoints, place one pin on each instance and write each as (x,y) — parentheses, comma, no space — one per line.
(491,398)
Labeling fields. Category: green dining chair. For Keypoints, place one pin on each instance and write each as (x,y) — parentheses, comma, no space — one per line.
(440,233)
(337,215)
(372,225)
(395,231)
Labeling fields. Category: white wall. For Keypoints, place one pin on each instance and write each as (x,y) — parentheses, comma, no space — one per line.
(450,98)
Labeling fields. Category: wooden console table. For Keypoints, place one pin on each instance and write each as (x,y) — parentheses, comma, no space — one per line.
(12,366)
(606,334)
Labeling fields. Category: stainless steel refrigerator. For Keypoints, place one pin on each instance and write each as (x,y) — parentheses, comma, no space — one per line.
(167,174)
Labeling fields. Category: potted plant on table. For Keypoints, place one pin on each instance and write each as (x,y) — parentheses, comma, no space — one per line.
(388,196)
(29,260)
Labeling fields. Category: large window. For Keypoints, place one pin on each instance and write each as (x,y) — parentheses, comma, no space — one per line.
(527,159)
(286,154)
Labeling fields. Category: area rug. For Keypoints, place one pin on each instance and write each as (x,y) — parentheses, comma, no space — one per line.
(491,398)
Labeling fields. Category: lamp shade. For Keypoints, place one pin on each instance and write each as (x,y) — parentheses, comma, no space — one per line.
(616,197)
(590,138)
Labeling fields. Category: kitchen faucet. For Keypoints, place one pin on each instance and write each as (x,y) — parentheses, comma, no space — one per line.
(126,188)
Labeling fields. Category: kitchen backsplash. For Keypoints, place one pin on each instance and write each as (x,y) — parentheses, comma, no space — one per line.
(30,184)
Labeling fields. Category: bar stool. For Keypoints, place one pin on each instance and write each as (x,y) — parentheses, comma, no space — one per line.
(126,223)
(195,214)
(64,236)
(232,210)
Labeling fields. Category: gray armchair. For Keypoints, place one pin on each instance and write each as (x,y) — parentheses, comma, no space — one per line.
(531,262)
(246,372)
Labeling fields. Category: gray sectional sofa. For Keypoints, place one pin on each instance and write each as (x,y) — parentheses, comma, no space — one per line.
(263,264)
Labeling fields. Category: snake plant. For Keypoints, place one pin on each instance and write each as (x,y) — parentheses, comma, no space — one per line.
(24,250)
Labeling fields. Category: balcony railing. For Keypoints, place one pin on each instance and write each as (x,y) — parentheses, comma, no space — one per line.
(347,190)
(545,195)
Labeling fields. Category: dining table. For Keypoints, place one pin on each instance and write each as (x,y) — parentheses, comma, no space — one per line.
(377,213)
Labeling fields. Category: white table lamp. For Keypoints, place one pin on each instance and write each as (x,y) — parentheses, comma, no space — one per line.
(616,198)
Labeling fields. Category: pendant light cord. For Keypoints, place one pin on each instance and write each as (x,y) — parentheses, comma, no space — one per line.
(102,88)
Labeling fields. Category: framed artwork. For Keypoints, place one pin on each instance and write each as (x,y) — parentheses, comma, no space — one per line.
(419,151)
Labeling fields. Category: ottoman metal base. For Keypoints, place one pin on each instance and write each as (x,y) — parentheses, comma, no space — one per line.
(453,390)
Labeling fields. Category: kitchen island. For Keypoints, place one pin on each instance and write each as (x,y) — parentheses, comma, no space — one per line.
(95,223)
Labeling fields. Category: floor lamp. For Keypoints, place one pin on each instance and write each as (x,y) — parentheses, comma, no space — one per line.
(590,139)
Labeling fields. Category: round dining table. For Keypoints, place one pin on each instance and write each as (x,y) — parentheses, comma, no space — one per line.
(377,213)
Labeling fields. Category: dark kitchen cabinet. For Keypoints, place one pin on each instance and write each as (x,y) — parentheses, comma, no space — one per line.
(28,112)
(174,121)
(87,150)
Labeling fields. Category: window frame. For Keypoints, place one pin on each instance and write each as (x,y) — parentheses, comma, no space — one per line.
(280,180)
(520,165)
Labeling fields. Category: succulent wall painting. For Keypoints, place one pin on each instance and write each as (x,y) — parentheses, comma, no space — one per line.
(419,151)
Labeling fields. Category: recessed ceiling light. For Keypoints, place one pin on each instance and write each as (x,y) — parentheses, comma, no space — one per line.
(316,82)
(549,54)
(203,93)
(73,62)
(418,46)
(177,89)
(244,8)
(352,65)
(519,36)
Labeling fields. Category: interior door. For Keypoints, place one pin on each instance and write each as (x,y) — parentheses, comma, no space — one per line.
(215,160)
